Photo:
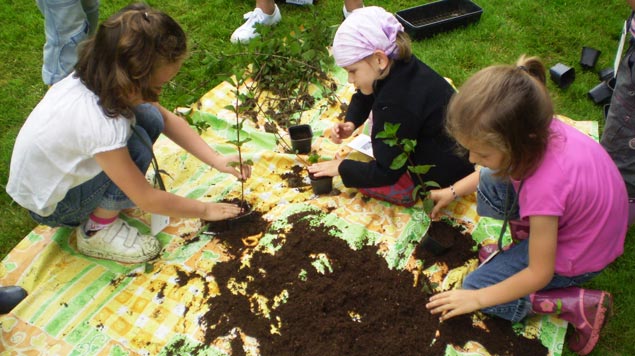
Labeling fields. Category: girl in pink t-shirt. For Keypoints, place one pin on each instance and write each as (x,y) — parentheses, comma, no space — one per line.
(539,172)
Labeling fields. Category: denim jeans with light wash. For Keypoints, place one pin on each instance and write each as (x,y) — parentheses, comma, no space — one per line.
(66,24)
(491,202)
(100,191)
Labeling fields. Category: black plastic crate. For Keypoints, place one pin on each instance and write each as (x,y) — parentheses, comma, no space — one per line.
(440,16)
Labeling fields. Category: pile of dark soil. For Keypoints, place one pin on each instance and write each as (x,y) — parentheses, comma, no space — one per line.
(358,306)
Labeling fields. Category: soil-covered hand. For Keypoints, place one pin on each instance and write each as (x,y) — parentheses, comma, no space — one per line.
(453,303)
(341,131)
(326,168)
(441,198)
(220,211)
(225,166)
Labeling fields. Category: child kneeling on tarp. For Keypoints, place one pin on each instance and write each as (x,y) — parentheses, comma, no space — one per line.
(542,170)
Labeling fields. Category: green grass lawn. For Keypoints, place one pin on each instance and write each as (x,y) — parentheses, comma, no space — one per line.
(555,30)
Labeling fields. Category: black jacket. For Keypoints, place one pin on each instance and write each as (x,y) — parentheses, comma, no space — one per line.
(416,97)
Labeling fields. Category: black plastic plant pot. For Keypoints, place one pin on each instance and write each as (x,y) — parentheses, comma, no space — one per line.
(601,93)
(562,75)
(301,138)
(606,74)
(321,185)
(229,224)
(433,246)
(589,57)
(437,240)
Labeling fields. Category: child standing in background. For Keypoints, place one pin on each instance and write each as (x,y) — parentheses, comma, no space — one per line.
(267,13)
(396,87)
(82,153)
(564,184)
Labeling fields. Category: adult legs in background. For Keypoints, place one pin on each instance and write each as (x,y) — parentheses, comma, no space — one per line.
(67,23)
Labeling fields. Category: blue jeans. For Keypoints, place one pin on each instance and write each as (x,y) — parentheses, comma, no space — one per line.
(67,23)
(100,191)
(491,201)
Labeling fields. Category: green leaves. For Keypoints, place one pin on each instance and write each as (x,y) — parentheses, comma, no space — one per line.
(407,146)
(399,161)
(283,66)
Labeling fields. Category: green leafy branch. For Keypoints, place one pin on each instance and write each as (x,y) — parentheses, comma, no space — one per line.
(407,147)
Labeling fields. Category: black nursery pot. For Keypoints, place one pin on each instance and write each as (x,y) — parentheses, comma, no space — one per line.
(321,185)
(301,138)
(606,74)
(562,75)
(437,244)
(589,57)
(601,93)
(229,224)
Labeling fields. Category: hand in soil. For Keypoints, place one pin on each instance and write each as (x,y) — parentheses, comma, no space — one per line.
(453,303)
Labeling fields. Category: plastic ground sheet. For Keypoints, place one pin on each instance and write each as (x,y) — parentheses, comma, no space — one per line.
(79,305)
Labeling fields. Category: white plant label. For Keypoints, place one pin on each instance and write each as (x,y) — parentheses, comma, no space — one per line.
(158,223)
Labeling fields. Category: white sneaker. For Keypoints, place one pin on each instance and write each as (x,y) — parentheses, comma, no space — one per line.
(118,242)
(247,31)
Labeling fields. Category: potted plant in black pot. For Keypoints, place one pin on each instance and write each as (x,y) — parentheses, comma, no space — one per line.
(320,185)
(246,209)
(436,240)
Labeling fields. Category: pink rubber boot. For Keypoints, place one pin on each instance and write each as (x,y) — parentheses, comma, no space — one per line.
(586,310)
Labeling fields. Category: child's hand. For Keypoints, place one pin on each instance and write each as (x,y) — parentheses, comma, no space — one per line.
(326,168)
(224,166)
(453,303)
(220,211)
(341,131)
(441,197)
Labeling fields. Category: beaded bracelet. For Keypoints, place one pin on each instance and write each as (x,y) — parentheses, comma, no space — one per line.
(453,191)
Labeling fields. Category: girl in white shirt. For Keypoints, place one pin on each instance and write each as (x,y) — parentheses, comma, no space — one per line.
(82,153)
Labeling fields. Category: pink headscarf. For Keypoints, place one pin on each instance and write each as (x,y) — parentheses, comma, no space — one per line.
(363,32)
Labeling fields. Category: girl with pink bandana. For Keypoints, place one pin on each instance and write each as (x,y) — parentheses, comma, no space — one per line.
(393,86)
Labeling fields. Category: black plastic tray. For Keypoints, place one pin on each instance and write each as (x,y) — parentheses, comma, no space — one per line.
(440,16)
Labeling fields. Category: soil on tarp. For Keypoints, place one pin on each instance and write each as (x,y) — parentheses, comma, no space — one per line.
(355,306)
(295,178)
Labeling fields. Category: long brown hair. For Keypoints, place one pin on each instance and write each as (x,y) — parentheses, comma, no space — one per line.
(508,108)
(121,57)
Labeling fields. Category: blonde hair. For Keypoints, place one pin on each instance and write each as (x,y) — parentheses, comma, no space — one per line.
(508,108)
(404,47)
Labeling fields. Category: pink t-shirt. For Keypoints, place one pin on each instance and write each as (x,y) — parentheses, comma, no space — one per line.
(578,182)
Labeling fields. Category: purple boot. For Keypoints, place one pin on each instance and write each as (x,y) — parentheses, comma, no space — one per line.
(586,310)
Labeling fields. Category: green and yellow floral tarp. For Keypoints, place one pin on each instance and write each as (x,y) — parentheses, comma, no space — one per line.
(79,305)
